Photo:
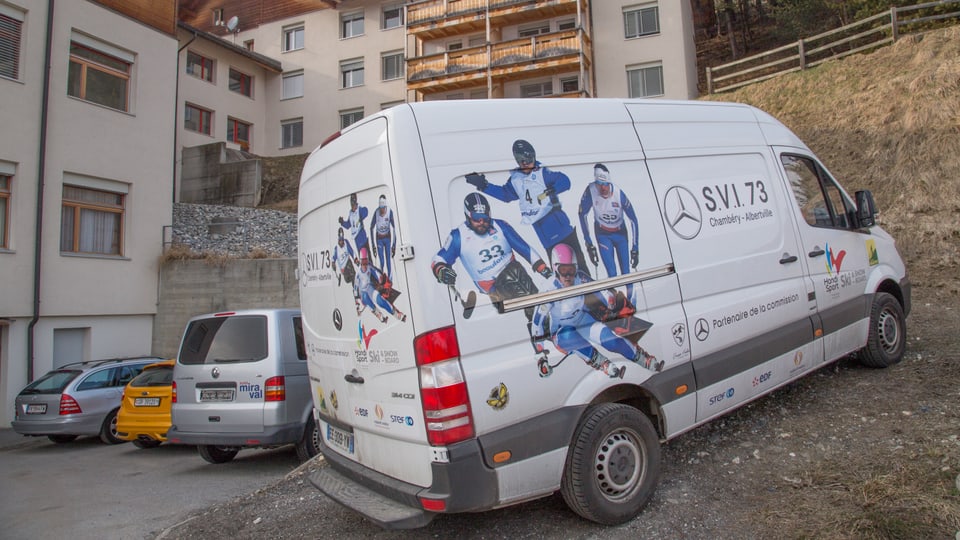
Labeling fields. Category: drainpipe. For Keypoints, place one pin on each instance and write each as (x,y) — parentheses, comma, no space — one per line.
(41,175)
(176,117)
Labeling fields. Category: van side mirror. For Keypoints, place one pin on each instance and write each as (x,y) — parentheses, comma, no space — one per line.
(866,209)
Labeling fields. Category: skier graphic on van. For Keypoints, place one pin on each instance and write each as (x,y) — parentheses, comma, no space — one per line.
(487,249)
(354,224)
(384,233)
(581,324)
(611,209)
(536,188)
(343,259)
(372,289)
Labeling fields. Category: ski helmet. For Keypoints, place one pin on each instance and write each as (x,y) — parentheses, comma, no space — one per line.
(353,199)
(523,152)
(339,234)
(383,201)
(562,255)
(364,258)
(476,206)
(601,177)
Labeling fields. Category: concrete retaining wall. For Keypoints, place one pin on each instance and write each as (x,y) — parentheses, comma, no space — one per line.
(195,287)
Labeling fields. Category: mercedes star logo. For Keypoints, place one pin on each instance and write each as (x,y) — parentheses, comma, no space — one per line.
(215,372)
(682,211)
(337,320)
(701,329)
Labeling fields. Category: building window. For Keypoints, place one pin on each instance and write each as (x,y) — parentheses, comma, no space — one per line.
(241,83)
(11,31)
(391,16)
(98,77)
(455,45)
(200,67)
(239,132)
(568,24)
(351,24)
(291,133)
(292,85)
(248,45)
(392,65)
(570,84)
(641,21)
(536,89)
(293,38)
(217,16)
(350,117)
(5,181)
(534,29)
(351,73)
(197,119)
(480,93)
(91,221)
(645,81)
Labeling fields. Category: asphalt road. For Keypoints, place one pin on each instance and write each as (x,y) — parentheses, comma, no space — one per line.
(86,489)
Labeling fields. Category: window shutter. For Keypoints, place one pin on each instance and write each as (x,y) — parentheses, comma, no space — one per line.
(10,32)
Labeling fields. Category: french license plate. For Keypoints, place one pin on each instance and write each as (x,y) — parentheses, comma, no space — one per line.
(146,402)
(339,438)
(216,395)
(37,408)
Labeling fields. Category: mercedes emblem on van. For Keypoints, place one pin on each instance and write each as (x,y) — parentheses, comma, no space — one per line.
(215,372)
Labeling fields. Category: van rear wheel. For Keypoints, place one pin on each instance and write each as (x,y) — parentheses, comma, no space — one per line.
(887,339)
(217,454)
(613,464)
(309,444)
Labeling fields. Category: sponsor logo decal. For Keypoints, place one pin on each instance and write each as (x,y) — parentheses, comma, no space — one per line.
(762,378)
(361,412)
(323,400)
(499,397)
(722,396)
(378,411)
(333,399)
(682,212)
(834,260)
(678,331)
(873,257)
(253,390)
(365,337)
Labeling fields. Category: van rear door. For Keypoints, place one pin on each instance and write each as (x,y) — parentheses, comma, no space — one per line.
(355,295)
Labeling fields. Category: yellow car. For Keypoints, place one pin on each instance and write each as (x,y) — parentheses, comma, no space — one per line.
(144,416)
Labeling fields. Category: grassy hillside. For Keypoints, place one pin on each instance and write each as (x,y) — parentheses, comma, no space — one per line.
(888,121)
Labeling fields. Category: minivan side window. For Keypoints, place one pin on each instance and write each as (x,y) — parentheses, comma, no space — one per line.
(298,337)
(225,339)
(822,204)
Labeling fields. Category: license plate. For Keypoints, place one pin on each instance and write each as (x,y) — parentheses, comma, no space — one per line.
(216,395)
(37,408)
(339,438)
(146,402)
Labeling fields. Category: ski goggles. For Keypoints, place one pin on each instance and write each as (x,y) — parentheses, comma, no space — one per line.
(567,270)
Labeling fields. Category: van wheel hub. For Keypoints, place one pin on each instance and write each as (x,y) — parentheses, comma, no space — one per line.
(616,465)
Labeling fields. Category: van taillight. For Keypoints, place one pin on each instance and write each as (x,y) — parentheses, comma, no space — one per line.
(173,392)
(330,139)
(68,405)
(275,389)
(443,390)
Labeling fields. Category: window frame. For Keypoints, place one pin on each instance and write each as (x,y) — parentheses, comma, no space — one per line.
(284,124)
(13,33)
(292,31)
(828,192)
(201,110)
(291,75)
(348,26)
(6,194)
(391,56)
(243,77)
(533,29)
(643,69)
(636,13)
(86,64)
(542,86)
(206,73)
(347,114)
(345,70)
(401,16)
(118,210)
(233,125)
(564,81)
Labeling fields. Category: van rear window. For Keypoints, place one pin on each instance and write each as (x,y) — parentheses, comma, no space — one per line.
(218,340)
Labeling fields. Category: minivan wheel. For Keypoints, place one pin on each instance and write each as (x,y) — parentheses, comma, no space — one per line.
(217,454)
(309,444)
(60,439)
(613,464)
(887,339)
(108,431)
(146,443)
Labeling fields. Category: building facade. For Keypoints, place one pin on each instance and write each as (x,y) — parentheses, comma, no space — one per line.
(86,176)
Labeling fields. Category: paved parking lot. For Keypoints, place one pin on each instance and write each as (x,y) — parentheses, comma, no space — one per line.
(86,489)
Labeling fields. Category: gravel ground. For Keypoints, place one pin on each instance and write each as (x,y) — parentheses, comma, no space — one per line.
(846,452)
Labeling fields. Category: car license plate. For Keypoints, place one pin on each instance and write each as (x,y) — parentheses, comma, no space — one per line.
(216,395)
(37,408)
(339,438)
(146,402)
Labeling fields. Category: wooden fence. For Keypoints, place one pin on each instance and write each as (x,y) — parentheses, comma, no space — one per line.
(863,35)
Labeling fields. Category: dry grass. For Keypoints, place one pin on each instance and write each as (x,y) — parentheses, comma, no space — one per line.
(180,252)
(888,121)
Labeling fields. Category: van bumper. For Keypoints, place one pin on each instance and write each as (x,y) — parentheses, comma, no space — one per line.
(395,505)
(270,436)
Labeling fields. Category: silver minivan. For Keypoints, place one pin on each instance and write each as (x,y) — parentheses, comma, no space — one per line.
(241,381)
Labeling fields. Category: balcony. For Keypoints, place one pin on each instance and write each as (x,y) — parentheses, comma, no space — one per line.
(434,19)
(523,58)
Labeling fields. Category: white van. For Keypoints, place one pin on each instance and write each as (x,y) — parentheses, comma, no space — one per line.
(542,291)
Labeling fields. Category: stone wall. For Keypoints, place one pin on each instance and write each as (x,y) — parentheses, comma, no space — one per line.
(215,174)
(233,230)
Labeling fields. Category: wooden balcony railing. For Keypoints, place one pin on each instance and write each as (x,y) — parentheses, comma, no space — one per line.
(432,11)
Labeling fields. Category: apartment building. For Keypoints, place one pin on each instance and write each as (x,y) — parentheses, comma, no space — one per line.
(86,176)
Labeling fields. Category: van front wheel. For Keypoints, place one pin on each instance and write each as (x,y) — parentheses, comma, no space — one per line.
(887,339)
(613,464)
(217,454)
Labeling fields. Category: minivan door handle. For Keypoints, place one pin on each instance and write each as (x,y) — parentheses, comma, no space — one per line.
(788,258)
(816,252)
(351,378)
